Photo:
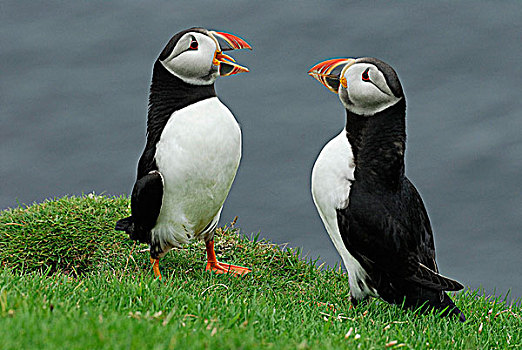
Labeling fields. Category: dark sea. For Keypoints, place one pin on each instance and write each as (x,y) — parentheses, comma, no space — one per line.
(74,80)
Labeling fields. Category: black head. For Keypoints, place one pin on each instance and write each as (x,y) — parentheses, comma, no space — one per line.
(366,86)
(392,80)
(196,55)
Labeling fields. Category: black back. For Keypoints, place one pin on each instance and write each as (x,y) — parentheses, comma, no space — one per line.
(378,145)
(386,226)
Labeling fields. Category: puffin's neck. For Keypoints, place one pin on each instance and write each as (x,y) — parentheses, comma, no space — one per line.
(169,94)
(378,143)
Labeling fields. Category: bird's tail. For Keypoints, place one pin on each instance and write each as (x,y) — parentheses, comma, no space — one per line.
(135,232)
(448,308)
(126,224)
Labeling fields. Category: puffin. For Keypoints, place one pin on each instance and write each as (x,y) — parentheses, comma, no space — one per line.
(192,151)
(373,214)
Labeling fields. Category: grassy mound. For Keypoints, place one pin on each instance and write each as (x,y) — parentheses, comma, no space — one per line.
(69,234)
(70,281)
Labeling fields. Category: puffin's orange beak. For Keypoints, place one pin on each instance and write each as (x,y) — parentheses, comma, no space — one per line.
(329,73)
(226,42)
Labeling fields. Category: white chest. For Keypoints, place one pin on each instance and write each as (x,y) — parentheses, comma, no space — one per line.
(331,181)
(333,170)
(198,155)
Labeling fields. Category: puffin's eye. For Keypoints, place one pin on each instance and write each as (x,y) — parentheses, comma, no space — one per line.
(193,45)
(365,76)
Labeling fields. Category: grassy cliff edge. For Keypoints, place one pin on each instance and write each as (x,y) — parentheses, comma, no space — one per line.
(69,280)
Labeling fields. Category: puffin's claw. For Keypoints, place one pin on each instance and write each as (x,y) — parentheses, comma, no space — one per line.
(155,267)
(219,267)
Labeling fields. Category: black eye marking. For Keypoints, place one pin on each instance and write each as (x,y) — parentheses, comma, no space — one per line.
(193,44)
(365,76)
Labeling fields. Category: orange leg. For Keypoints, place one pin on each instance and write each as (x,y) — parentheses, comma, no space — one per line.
(155,267)
(219,267)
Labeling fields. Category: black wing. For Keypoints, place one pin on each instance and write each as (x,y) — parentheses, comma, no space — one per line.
(146,201)
(391,233)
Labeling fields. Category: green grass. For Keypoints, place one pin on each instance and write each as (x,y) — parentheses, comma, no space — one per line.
(69,281)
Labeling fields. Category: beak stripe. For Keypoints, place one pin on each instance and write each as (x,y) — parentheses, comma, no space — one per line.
(235,69)
(324,70)
(234,41)
(224,42)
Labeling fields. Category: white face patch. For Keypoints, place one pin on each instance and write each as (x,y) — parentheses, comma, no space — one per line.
(367,92)
(191,59)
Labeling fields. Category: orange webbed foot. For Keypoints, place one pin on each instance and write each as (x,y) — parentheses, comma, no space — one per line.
(155,267)
(219,267)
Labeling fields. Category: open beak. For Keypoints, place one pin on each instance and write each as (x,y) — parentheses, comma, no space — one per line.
(330,73)
(225,42)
